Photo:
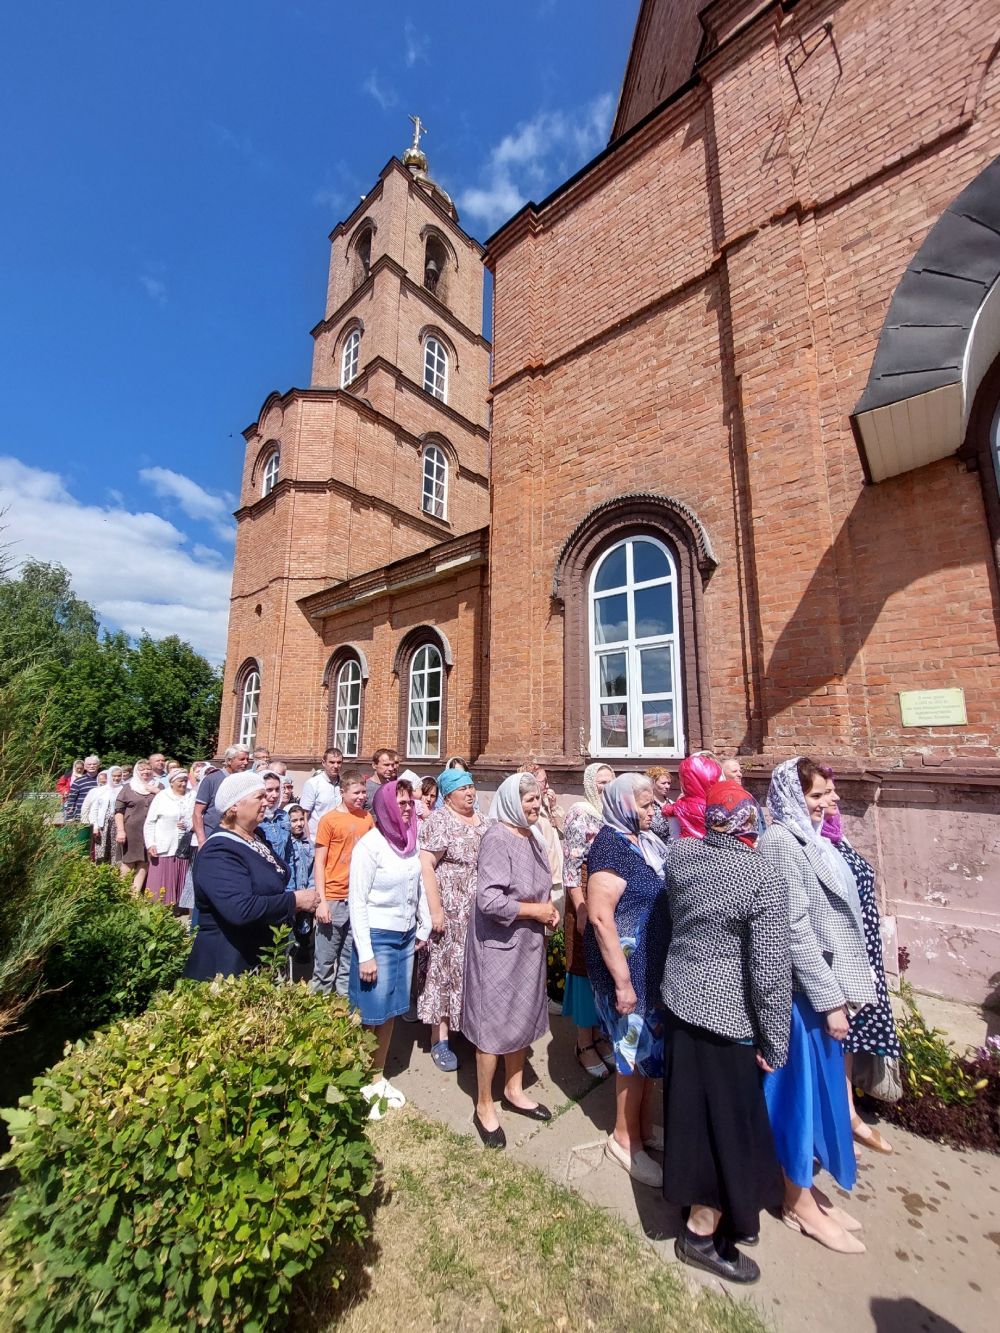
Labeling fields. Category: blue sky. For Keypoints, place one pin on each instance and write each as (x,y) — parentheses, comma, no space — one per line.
(170,174)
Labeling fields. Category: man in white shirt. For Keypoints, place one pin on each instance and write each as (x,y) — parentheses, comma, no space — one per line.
(322,792)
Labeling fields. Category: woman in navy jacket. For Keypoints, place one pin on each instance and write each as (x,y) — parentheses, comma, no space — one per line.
(240,886)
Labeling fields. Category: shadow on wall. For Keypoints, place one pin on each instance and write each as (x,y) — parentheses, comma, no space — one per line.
(880,550)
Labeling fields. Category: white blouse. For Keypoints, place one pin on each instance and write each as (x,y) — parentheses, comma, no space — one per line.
(160,829)
(385,892)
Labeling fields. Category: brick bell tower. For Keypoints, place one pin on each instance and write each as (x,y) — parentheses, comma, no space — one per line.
(383,456)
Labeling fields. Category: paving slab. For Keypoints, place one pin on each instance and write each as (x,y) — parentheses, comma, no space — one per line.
(931,1215)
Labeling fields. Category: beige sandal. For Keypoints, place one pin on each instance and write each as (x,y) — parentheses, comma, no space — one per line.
(845,1243)
(597,1070)
(873,1139)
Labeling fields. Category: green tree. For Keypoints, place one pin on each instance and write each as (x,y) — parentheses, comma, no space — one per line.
(177,696)
(41,619)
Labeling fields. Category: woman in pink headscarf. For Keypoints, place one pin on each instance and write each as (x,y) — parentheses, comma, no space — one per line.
(696,774)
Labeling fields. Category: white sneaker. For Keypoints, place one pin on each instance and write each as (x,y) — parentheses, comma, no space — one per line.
(640,1166)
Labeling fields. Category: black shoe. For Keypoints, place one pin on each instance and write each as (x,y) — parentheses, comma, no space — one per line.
(492,1138)
(747,1238)
(532,1112)
(726,1262)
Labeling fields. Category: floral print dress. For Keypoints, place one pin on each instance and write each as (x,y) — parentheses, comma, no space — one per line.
(440,998)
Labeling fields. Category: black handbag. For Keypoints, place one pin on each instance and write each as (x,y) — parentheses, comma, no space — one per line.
(185,846)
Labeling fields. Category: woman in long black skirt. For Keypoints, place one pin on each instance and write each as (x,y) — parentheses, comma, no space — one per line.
(728,990)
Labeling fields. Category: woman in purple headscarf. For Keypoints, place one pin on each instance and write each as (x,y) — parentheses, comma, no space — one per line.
(873,1029)
(389,919)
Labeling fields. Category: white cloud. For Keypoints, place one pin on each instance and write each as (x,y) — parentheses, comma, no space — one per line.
(386,97)
(535,157)
(193,499)
(132,566)
(415,44)
(154,288)
(333,200)
(240,144)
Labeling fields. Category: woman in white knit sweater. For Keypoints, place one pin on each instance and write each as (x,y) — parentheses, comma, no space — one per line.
(389,920)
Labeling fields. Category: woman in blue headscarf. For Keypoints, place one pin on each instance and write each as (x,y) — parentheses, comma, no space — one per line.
(449,851)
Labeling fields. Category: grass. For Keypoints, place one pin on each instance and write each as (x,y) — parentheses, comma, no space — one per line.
(466,1239)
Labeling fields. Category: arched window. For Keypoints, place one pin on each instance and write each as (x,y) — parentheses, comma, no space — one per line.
(635,675)
(435,266)
(435,494)
(436,368)
(349,359)
(346,705)
(362,260)
(270,475)
(249,709)
(425,698)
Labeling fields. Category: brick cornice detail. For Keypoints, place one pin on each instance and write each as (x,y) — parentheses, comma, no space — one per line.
(349,398)
(362,499)
(386,264)
(444,560)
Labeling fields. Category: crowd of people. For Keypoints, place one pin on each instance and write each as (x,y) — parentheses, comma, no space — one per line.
(726,951)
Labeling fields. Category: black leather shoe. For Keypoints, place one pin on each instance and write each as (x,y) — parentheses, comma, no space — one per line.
(532,1112)
(492,1138)
(747,1238)
(720,1257)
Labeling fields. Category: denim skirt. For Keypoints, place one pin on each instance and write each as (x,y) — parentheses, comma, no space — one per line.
(388,995)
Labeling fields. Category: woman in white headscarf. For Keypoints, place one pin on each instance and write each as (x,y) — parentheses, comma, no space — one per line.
(168,817)
(583,823)
(807,1098)
(131,805)
(626,940)
(101,816)
(504,1005)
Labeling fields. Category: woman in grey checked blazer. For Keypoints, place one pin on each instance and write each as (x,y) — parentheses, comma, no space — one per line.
(807,1099)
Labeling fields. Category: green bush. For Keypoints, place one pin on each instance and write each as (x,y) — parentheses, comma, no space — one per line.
(186,1166)
(118,951)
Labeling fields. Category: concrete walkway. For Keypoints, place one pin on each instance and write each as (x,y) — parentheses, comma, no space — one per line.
(931,1215)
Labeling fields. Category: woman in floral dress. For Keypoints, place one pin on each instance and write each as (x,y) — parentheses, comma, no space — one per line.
(449,850)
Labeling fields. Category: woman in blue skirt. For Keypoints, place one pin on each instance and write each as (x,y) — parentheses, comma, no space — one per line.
(807,1098)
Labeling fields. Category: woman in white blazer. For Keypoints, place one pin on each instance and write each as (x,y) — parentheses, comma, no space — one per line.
(807,1098)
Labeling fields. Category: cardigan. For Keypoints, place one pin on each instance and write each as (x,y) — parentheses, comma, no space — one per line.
(829,957)
(239,896)
(385,892)
(728,967)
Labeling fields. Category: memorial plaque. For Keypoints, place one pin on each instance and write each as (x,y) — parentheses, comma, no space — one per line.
(933,708)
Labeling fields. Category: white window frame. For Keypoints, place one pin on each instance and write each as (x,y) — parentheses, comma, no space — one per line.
(249,709)
(350,358)
(347,708)
(632,647)
(426,660)
(434,495)
(272,468)
(435,368)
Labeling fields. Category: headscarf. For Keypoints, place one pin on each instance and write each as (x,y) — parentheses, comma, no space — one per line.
(621,813)
(591,799)
(696,774)
(507,808)
(732,810)
(787,803)
(832,826)
(142,788)
(453,779)
(105,800)
(402,838)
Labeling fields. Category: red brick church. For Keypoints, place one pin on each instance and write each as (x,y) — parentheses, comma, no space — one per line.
(731,480)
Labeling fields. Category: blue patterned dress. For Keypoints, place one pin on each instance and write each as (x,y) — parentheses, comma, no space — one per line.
(642,919)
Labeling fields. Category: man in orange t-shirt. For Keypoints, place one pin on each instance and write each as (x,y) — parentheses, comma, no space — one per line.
(336,835)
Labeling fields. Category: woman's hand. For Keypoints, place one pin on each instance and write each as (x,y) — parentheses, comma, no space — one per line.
(762,1063)
(120,838)
(437,922)
(581,918)
(323,916)
(837,1024)
(152,854)
(368,971)
(306,900)
(550,915)
(625,999)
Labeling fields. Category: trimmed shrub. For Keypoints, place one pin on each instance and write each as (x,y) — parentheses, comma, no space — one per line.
(186,1166)
(119,950)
